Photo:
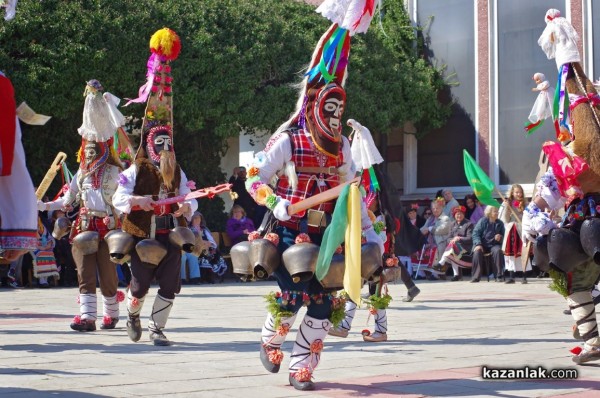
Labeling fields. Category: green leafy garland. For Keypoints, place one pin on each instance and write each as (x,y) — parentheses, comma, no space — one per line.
(338,309)
(559,282)
(275,309)
(379,302)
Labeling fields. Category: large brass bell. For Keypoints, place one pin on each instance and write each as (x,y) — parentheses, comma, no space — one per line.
(264,258)
(371,263)
(151,252)
(590,238)
(87,242)
(183,238)
(334,280)
(119,244)
(301,261)
(564,250)
(240,259)
(61,227)
(200,245)
(540,253)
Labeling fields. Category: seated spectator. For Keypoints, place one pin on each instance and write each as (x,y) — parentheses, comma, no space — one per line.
(44,262)
(211,262)
(474,209)
(461,242)
(190,259)
(487,238)
(239,226)
(450,202)
(437,229)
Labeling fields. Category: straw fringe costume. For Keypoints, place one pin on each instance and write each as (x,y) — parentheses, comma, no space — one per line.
(574,179)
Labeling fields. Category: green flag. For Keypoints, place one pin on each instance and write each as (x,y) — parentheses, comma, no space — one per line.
(479,181)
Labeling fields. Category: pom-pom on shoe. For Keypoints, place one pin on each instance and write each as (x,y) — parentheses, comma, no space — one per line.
(270,358)
(82,325)
(109,323)
(302,380)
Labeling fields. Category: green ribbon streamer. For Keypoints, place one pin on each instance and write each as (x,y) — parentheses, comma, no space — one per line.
(374,180)
(334,235)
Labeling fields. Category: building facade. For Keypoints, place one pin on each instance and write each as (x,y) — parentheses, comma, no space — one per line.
(489,51)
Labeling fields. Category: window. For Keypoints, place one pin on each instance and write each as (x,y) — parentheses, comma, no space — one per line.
(451,42)
(518,25)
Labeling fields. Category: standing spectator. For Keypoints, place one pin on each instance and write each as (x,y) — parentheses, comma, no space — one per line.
(451,203)
(239,226)
(487,238)
(511,214)
(238,181)
(474,211)
(415,219)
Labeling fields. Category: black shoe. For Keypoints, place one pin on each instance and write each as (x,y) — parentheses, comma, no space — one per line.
(510,281)
(109,323)
(524,282)
(411,294)
(159,339)
(134,328)
(264,358)
(474,280)
(456,278)
(195,281)
(567,312)
(301,385)
(83,325)
(430,277)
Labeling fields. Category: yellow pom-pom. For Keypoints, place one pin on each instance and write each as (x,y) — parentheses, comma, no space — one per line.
(166,43)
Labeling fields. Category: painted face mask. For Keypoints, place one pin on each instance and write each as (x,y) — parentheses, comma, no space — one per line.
(160,138)
(95,154)
(324,112)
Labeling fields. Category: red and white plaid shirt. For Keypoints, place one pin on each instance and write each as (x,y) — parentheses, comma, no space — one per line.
(304,154)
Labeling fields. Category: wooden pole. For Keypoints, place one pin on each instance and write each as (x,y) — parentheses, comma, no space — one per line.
(317,199)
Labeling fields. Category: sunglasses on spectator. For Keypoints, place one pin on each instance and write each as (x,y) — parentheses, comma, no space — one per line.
(427,213)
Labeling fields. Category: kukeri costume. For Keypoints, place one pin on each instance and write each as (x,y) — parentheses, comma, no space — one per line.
(18,213)
(157,254)
(92,188)
(571,251)
(310,156)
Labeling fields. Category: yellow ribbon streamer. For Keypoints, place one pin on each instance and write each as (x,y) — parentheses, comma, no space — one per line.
(352,275)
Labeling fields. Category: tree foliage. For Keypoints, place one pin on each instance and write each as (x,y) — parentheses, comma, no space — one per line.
(237,69)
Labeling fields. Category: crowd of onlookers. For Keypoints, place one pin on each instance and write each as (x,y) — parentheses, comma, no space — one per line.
(484,241)
(458,239)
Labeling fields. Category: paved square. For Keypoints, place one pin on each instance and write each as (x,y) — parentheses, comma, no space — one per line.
(437,346)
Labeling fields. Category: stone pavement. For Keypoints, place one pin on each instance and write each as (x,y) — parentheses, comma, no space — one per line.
(437,346)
